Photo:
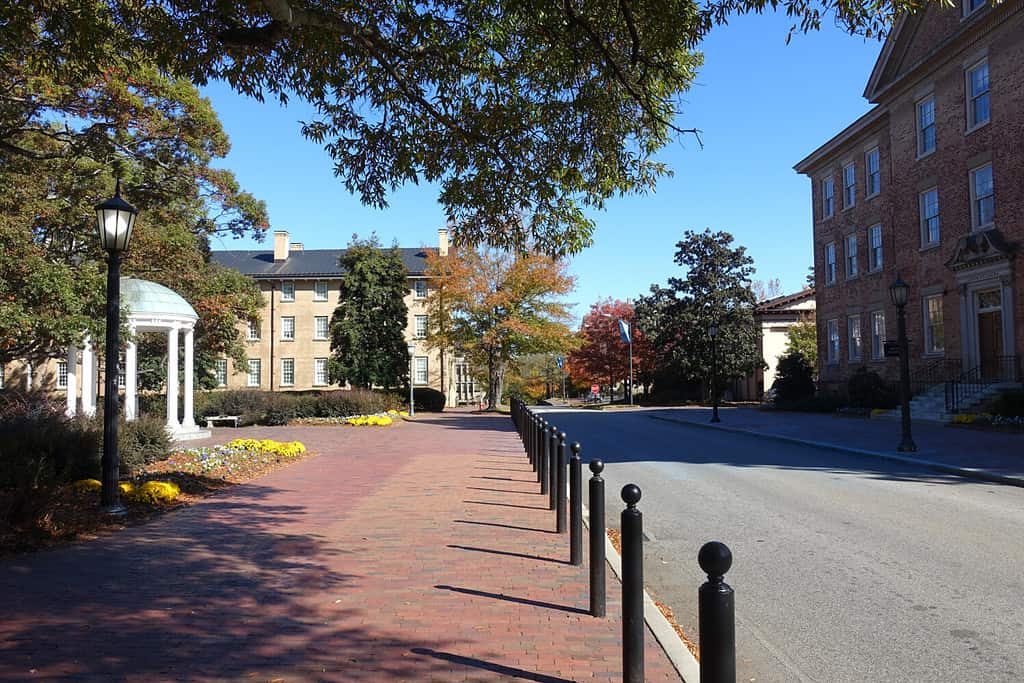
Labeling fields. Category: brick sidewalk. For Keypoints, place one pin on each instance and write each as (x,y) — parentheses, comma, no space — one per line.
(419,552)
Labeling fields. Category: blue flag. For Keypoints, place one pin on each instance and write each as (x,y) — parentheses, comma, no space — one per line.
(624,332)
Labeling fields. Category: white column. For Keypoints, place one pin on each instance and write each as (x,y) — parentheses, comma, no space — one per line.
(88,379)
(72,401)
(172,379)
(131,376)
(188,420)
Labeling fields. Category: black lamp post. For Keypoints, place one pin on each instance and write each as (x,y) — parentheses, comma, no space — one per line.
(900,291)
(713,332)
(115,219)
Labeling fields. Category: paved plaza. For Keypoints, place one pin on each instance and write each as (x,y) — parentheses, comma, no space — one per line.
(421,551)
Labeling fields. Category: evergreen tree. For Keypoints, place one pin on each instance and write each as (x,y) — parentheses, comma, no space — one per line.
(368,346)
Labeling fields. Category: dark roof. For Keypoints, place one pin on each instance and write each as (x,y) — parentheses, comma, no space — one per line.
(779,303)
(306,263)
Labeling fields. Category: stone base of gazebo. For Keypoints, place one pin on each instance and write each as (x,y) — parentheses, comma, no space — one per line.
(189,434)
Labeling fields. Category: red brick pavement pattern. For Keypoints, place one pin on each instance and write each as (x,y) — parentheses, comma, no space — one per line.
(419,552)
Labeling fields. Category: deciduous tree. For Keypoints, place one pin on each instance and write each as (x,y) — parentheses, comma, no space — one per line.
(602,357)
(802,338)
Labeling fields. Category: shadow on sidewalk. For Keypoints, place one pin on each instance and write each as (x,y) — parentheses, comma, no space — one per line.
(506,553)
(510,598)
(503,526)
(489,666)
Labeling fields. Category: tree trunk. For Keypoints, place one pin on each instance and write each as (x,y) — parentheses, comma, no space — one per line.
(492,381)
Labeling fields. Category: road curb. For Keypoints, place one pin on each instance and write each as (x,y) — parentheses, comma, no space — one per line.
(675,649)
(966,472)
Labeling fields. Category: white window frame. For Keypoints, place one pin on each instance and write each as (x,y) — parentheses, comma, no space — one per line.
(287,372)
(832,341)
(287,292)
(877,335)
(62,374)
(830,263)
(926,219)
(933,346)
(421,370)
(287,331)
(252,331)
(316,327)
(876,255)
(220,372)
(828,197)
(849,185)
(320,371)
(419,327)
(254,367)
(854,339)
(419,289)
(872,177)
(976,200)
(850,257)
(922,127)
(122,374)
(972,98)
(319,291)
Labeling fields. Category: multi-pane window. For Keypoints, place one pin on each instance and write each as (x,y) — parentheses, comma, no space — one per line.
(220,372)
(420,370)
(421,327)
(287,372)
(983,203)
(320,372)
(122,376)
(926,126)
(853,329)
(832,331)
(828,197)
(419,288)
(872,173)
(849,185)
(254,372)
(287,291)
(929,217)
(288,327)
(875,247)
(252,330)
(934,342)
(971,5)
(851,256)
(878,334)
(977,95)
(62,374)
(319,291)
(830,263)
(320,327)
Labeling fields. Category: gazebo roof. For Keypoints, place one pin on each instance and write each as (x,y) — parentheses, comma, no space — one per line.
(149,299)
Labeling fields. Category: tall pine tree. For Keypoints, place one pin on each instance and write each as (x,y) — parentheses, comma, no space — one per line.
(368,345)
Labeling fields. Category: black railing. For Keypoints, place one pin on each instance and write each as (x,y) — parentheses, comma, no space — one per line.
(994,370)
(935,373)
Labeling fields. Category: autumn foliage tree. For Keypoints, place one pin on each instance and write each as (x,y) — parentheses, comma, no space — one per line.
(494,306)
(602,357)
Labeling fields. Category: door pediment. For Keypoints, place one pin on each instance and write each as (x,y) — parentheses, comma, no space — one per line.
(979,249)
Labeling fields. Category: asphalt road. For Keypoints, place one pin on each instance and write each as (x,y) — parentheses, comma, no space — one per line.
(845,568)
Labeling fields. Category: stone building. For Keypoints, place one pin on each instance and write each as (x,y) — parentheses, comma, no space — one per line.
(928,185)
(774,317)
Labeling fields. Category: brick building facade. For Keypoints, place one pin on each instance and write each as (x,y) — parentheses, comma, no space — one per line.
(928,185)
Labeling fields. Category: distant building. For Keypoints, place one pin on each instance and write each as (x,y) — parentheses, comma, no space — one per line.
(774,317)
(928,185)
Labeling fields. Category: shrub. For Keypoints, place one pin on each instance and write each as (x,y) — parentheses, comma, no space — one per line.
(141,442)
(1007,404)
(794,378)
(428,400)
(154,492)
(867,390)
(821,403)
(278,408)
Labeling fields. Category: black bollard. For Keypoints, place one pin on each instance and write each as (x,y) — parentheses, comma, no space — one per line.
(528,440)
(553,472)
(560,503)
(575,506)
(597,539)
(716,619)
(542,460)
(632,587)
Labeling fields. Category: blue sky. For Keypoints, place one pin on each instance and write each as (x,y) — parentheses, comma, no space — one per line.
(761,105)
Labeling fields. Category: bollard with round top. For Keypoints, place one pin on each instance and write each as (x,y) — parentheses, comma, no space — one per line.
(597,539)
(575,506)
(632,521)
(717,616)
(542,460)
(553,472)
(560,499)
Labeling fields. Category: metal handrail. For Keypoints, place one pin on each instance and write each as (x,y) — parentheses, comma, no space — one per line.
(937,372)
(974,381)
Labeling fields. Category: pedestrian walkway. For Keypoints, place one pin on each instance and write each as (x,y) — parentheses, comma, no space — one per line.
(418,552)
(968,452)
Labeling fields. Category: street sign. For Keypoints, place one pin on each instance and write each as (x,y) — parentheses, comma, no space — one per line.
(624,332)
(560,362)
(892,349)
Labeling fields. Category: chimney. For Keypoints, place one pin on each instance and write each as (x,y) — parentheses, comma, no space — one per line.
(442,242)
(295,246)
(280,245)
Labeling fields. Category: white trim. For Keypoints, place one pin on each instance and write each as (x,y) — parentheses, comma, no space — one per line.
(919,131)
(327,328)
(258,365)
(868,194)
(287,365)
(291,287)
(972,126)
(287,335)
(976,223)
(922,218)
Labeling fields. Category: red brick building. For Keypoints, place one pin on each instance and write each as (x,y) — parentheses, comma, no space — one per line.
(929,185)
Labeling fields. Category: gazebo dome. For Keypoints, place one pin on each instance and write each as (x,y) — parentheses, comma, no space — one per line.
(143,298)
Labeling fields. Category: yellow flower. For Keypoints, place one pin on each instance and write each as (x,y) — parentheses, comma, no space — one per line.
(87,486)
(155,492)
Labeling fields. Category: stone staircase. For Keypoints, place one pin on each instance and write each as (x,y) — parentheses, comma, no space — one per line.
(930,405)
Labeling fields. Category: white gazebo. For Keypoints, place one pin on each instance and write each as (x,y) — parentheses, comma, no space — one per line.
(150,307)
